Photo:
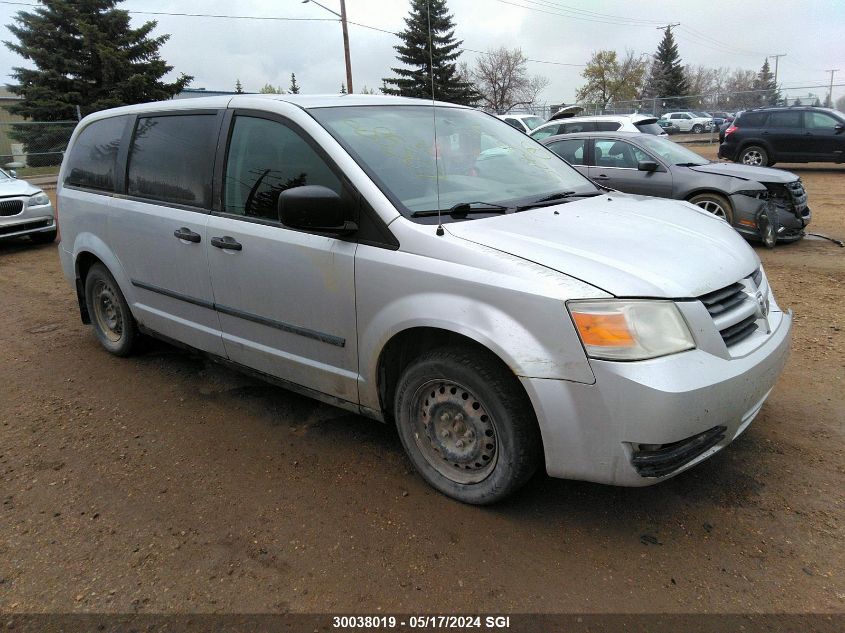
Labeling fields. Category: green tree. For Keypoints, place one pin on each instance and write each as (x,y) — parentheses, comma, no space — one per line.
(269,89)
(415,79)
(294,87)
(83,55)
(768,91)
(611,81)
(666,78)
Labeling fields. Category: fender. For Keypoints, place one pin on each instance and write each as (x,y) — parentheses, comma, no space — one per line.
(90,243)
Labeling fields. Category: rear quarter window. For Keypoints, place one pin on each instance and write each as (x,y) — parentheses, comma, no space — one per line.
(751,119)
(92,162)
(172,158)
(786,119)
(607,126)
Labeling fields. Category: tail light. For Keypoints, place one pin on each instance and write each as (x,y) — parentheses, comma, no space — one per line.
(731,129)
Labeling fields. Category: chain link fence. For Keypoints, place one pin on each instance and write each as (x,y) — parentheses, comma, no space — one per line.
(34,147)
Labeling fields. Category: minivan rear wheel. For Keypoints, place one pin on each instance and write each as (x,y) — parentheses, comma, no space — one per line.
(467,425)
(715,204)
(113,322)
(754,155)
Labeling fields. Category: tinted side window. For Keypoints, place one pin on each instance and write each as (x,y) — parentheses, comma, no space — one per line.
(580,126)
(545,132)
(265,158)
(751,119)
(172,158)
(619,154)
(785,119)
(607,126)
(572,150)
(819,121)
(92,162)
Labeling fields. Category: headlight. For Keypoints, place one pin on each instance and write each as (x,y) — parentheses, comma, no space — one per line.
(39,199)
(633,329)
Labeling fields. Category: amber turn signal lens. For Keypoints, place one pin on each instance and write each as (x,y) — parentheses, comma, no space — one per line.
(603,330)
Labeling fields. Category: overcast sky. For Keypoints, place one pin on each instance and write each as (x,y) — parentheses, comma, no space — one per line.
(734,33)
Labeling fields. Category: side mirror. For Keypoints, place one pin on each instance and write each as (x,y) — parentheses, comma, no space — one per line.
(837,129)
(314,208)
(647,165)
(13,173)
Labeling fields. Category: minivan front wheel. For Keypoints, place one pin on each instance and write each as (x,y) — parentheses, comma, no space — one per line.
(754,155)
(113,322)
(467,425)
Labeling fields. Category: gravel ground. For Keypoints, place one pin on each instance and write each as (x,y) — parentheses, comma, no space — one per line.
(164,483)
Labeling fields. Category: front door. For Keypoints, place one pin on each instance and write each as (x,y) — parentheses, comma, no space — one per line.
(615,164)
(286,298)
(824,141)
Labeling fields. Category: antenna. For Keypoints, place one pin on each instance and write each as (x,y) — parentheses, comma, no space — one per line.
(434,118)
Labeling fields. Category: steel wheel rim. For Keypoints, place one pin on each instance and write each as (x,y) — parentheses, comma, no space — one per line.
(752,157)
(454,432)
(107,311)
(711,206)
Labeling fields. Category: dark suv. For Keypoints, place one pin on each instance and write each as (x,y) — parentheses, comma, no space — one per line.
(793,135)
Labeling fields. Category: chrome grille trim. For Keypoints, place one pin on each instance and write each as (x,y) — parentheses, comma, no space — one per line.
(734,308)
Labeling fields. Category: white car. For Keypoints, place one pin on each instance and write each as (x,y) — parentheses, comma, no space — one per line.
(522,122)
(598,123)
(689,121)
(25,210)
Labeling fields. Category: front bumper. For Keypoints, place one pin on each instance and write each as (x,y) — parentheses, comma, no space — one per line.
(792,220)
(594,432)
(31,219)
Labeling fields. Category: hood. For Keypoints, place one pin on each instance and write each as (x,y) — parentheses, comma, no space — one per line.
(747,172)
(16,187)
(629,246)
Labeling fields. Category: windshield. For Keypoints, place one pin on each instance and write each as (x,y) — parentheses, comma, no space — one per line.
(670,151)
(533,122)
(702,114)
(480,159)
(4,175)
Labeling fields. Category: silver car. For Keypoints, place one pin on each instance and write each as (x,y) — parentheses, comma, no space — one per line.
(468,285)
(25,210)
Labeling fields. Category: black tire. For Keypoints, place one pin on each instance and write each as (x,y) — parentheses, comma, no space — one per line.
(711,202)
(697,129)
(754,155)
(767,223)
(113,322)
(450,394)
(45,237)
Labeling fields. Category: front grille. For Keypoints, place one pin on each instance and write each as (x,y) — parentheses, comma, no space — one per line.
(10,207)
(26,226)
(734,311)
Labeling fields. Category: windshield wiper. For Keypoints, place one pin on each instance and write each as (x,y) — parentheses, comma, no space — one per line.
(562,195)
(691,164)
(463,208)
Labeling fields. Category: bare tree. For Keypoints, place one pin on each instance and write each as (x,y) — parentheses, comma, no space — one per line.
(501,77)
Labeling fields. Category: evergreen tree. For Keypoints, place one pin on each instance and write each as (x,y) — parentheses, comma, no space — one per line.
(343,89)
(666,78)
(765,83)
(239,89)
(82,55)
(294,87)
(413,52)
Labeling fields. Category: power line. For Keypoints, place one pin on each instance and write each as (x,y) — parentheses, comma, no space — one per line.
(591,15)
(548,10)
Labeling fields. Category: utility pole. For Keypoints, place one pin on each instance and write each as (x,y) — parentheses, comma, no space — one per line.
(342,16)
(830,90)
(668,26)
(777,58)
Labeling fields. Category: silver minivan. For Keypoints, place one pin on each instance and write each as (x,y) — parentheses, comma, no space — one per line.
(429,266)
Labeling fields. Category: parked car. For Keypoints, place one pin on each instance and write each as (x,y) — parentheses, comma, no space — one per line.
(726,117)
(760,203)
(798,134)
(668,127)
(601,123)
(522,122)
(689,121)
(468,286)
(716,121)
(25,210)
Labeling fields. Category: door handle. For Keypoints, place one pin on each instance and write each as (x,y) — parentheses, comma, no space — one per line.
(226,242)
(602,177)
(184,233)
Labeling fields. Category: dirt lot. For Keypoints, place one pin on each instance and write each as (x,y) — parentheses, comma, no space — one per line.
(164,483)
